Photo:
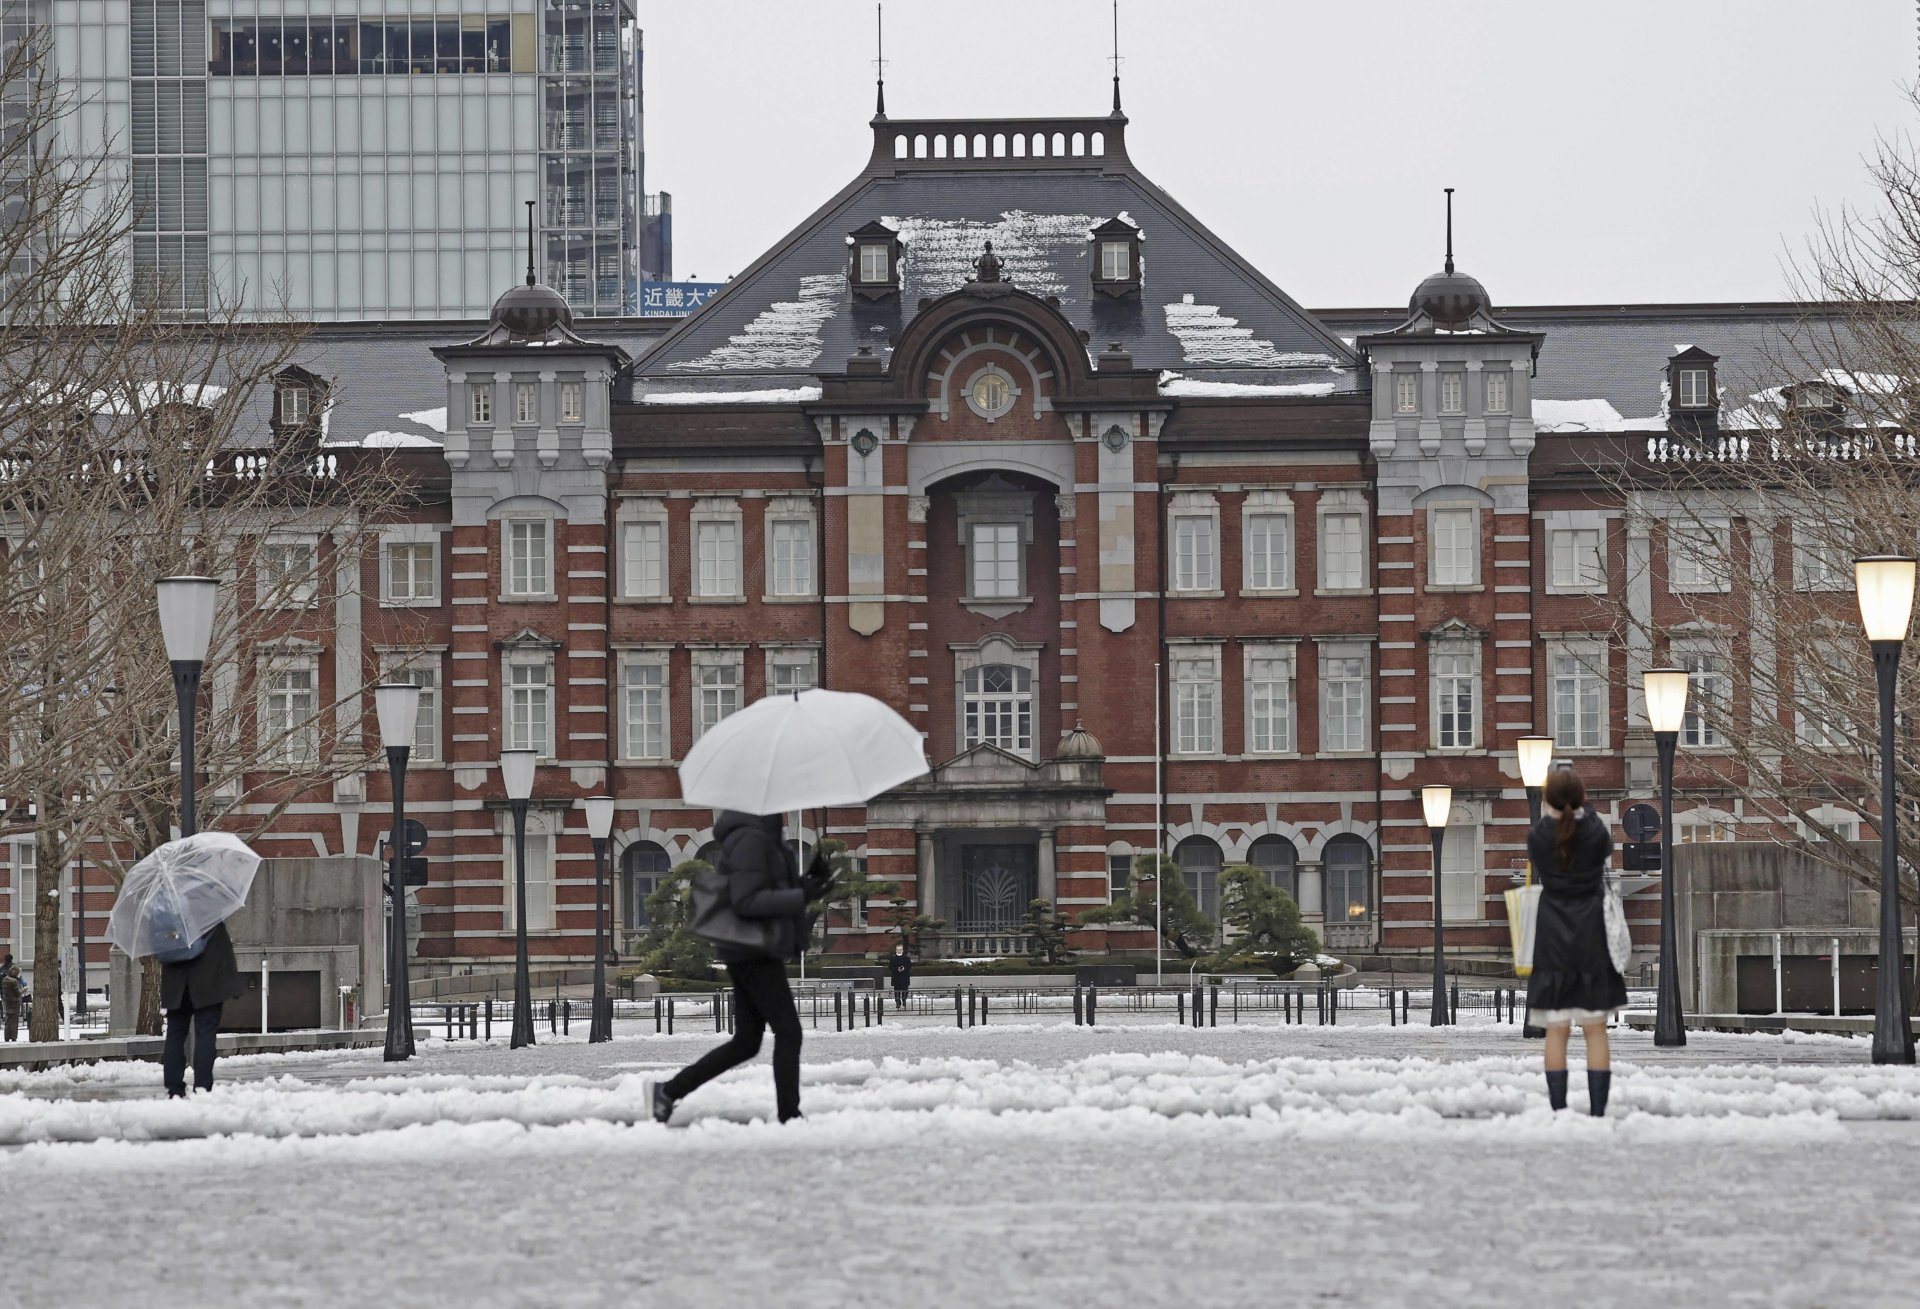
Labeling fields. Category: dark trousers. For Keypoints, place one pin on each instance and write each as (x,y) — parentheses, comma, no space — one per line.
(761,999)
(13,1022)
(173,1060)
(899,995)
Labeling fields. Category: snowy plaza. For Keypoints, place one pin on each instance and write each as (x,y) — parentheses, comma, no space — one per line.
(1020,1164)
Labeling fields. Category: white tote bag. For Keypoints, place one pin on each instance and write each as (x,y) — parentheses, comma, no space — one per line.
(1619,939)
(1523,914)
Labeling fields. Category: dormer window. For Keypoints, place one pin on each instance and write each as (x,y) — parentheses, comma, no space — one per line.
(1116,257)
(1691,384)
(296,402)
(873,261)
(298,397)
(1820,399)
(1694,392)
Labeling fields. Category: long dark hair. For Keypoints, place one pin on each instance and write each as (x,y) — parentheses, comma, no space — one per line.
(1567,793)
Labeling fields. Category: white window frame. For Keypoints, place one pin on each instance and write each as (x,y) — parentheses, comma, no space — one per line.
(658,667)
(509,528)
(784,517)
(413,597)
(1463,868)
(1195,684)
(23,862)
(1406,394)
(296,403)
(876,263)
(1577,676)
(1340,504)
(541,728)
(1276,509)
(1817,566)
(1116,261)
(526,404)
(480,404)
(1351,698)
(572,402)
(1194,520)
(1446,524)
(542,882)
(720,519)
(1694,392)
(1499,391)
(1568,573)
(1453,667)
(1018,708)
(1691,566)
(428,725)
(711,703)
(298,746)
(1696,733)
(792,667)
(994,650)
(1270,689)
(1001,533)
(305,594)
(1453,393)
(1817,722)
(637,519)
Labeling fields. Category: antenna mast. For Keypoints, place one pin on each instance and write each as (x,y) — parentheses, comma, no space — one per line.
(529,243)
(880,60)
(1116,56)
(1449,230)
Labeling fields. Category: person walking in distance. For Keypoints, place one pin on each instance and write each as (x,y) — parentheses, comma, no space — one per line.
(10,996)
(763,882)
(900,972)
(1574,980)
(193,992)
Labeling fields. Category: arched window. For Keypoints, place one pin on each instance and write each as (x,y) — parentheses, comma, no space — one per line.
(1039,145)
(979,144)
(1199,860)
(997,708)
(1349,871)
(708,853)
(642,865)
(999,145)
(1099,143)
(940,145)
(960,145)
(920,146)
(900,147)
(1019,145)
(1079,146)
(1276,857)
(1059,144)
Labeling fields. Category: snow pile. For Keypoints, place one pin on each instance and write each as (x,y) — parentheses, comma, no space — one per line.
(784,335)
(1576,416)
(937,254)
(389,441)
(1172,383)
(435,419)
(1208,336)
(790,395)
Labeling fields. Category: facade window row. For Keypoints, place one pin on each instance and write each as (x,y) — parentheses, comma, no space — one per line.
(1453,390)
(1195,563)
(1269,710)
(316,46)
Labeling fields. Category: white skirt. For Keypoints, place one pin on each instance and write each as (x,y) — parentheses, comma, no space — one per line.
(1568,1017)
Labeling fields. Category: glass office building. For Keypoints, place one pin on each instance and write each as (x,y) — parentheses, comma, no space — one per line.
(350,159)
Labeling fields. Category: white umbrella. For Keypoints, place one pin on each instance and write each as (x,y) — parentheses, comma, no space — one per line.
(808,750)
(180,892)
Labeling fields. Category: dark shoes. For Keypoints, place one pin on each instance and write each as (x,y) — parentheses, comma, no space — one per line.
(1557,1088)
(662,1103)
(1599,1082)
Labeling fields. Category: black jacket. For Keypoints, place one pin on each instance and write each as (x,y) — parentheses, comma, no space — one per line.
(763,881)
(1571,966)
(210,979)
(900,969)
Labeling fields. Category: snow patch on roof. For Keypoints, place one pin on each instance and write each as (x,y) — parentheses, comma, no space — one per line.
(791,395)
(937,254)
(784,335)
(1589,416)
(389,441)
(1208,336)
(1172,383)
(433,418)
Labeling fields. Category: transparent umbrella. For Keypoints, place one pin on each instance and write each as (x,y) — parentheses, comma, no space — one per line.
(180,892)
(808,750)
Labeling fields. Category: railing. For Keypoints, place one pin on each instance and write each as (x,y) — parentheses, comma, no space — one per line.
(1006,143)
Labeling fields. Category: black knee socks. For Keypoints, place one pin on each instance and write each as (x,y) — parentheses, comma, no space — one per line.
(1557,1088)
(1599,1082)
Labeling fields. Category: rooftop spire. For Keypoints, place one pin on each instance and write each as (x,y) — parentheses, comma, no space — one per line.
(880,60)
(1449,229)
(1116,56)
(529,243)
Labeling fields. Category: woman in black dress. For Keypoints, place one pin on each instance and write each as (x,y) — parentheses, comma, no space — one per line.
(1574,980)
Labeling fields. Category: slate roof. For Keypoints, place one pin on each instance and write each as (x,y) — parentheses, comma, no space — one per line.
(1202,310)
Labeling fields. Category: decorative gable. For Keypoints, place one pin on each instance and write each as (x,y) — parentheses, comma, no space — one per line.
(1117,264)
(873,261)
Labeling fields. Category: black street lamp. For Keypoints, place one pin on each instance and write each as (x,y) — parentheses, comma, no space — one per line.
(398,706)
(186,621)
(1885,585)
(516,773)
(1665,692)
(1536,761)
(599,827)
(1437,801)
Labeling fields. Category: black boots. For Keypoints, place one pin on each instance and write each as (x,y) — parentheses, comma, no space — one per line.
(1557,1088)
(663,1103)
(1599,1082)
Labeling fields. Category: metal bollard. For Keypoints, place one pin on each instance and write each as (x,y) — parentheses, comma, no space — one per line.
(566,1017)
(836,1011)
(1180,1007)
(489,1018)
(866,1011)
(959,1009)
(972,1001)
(1093,1004)
(669,1015)
(1393,1011)
(1406,1004)
(658,1011)
(1453,1006)
(1076,1006)
(984,997)
(880,1010)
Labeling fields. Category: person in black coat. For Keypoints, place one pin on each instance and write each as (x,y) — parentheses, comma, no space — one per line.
(10,996)
(193,994)
(763,881)
(900,970)
(1574,980)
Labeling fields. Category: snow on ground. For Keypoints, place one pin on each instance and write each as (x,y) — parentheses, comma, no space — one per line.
(1030,1163)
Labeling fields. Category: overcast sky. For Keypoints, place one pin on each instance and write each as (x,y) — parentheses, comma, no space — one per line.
(1625,151)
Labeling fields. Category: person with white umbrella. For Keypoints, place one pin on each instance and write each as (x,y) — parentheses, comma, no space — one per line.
(811,749)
